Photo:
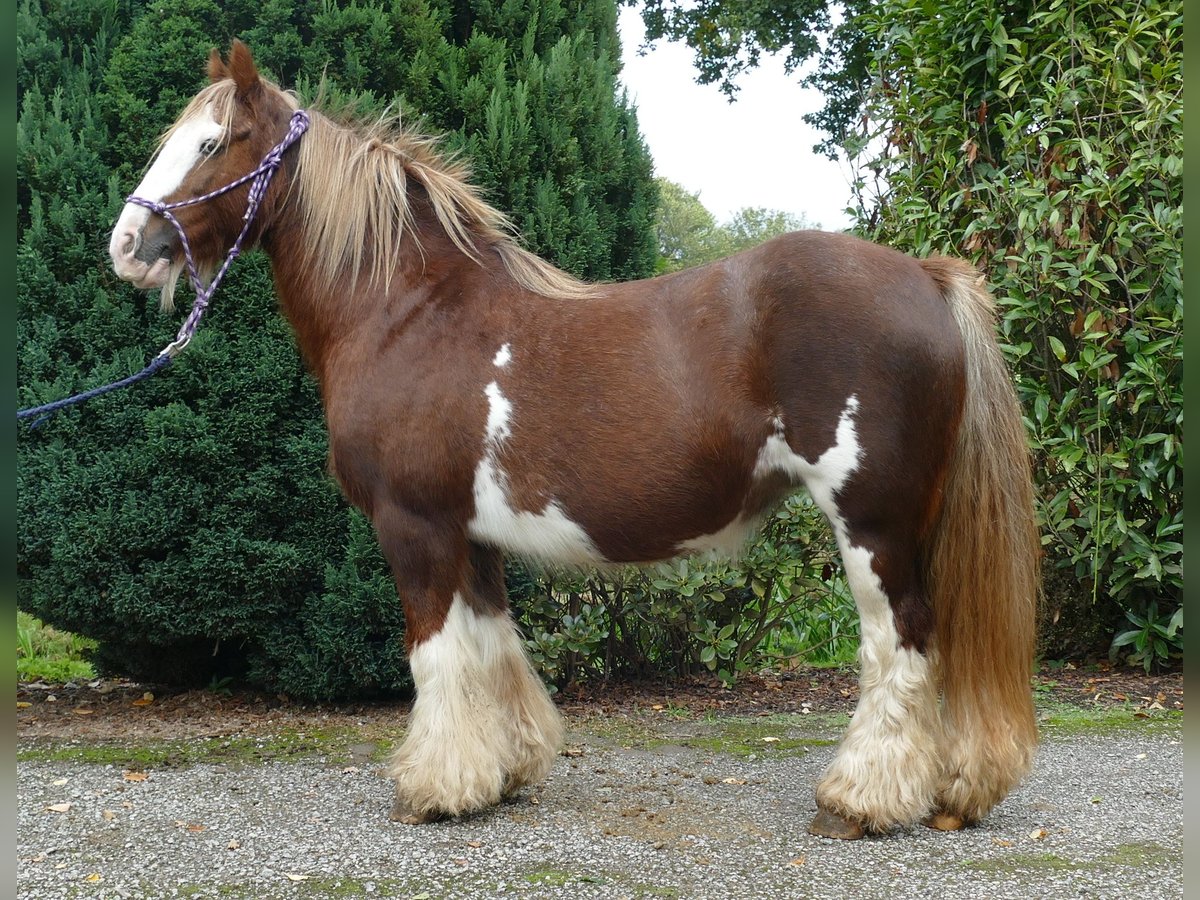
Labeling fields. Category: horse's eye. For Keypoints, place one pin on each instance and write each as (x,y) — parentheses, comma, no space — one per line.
(209,147)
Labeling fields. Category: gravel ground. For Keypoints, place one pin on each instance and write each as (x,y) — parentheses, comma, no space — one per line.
(658,807)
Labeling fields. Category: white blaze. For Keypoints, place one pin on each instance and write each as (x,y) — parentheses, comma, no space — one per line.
(175,159)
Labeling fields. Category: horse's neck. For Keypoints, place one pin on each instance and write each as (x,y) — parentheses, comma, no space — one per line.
(324,317)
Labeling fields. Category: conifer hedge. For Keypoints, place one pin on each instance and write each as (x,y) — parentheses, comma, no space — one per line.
(188,523)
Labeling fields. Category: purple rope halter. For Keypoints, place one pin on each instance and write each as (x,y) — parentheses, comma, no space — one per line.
(260,179)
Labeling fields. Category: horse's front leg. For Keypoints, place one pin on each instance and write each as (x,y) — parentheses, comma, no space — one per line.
(482,725)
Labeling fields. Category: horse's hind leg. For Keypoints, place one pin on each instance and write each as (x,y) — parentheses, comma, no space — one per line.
(886,770)
(482,724)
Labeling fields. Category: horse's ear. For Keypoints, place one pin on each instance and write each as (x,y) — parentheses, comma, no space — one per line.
(243,70)
(217,70)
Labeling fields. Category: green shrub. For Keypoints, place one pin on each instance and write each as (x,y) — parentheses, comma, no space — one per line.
(693,615)
(1044,141)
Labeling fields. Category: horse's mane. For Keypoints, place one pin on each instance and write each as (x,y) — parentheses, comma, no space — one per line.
(352,184)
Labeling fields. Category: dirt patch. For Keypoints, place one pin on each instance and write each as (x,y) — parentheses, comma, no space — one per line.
(125,711)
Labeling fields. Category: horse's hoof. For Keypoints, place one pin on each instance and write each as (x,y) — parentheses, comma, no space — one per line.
(831,825)
(403,812)
(944,821)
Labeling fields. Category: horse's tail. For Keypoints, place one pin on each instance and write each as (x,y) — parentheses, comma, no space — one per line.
(982,569)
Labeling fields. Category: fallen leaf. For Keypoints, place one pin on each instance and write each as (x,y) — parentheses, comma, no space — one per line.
(475,844)
(129,775)
(1038,833)
(770,740)
(349,770)
(145,700)
(732,780)
(108,815)
(195,829)
(234,845)
(1001,842)
(94,878)
(657,706)
(1140,756)
(82,711)
(798,861)
(292,877)
(59,782)
(23,704)
(58,807)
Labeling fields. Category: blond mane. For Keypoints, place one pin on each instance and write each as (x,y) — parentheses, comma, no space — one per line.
(352,185)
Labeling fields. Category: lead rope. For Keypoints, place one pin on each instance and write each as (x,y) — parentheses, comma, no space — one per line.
(260,179)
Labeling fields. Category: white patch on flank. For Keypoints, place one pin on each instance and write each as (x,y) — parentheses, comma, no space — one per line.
(482,724)
(503,355)
(825,477)
(175,159)
(548,535)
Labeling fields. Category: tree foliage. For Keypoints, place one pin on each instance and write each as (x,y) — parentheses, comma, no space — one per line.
(825,39)
(1044,141)
(689,235)
(188,523)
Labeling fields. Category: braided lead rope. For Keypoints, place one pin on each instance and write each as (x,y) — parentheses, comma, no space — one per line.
(260,179)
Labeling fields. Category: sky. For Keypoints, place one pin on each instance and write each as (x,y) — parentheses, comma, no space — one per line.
(756,151)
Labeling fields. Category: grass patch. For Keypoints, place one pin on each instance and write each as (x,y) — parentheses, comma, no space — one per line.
(1064,720)
(558,878)
(290,744)
(47,654)
(1134,855)
(769,736)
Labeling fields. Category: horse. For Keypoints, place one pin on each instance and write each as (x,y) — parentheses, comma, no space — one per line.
(481,402)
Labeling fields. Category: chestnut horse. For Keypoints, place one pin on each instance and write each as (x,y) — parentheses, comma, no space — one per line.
(480,401)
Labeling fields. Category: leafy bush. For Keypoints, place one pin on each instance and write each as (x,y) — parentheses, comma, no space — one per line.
(691,615)
(1045,142)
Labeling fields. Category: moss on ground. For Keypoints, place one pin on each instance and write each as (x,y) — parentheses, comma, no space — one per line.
(289,744)
(1137,855)
(1065,720)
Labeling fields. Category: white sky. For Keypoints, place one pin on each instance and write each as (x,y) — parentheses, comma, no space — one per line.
(756,151)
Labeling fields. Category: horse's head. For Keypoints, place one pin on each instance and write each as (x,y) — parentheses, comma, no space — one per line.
(222,134)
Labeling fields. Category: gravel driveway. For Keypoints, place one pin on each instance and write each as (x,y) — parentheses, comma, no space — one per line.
(651,805)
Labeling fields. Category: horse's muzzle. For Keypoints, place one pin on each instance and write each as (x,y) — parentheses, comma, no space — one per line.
(141,253)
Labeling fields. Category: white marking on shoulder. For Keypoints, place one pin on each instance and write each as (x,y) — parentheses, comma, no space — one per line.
(549,536)
(503,355)
(499,412)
